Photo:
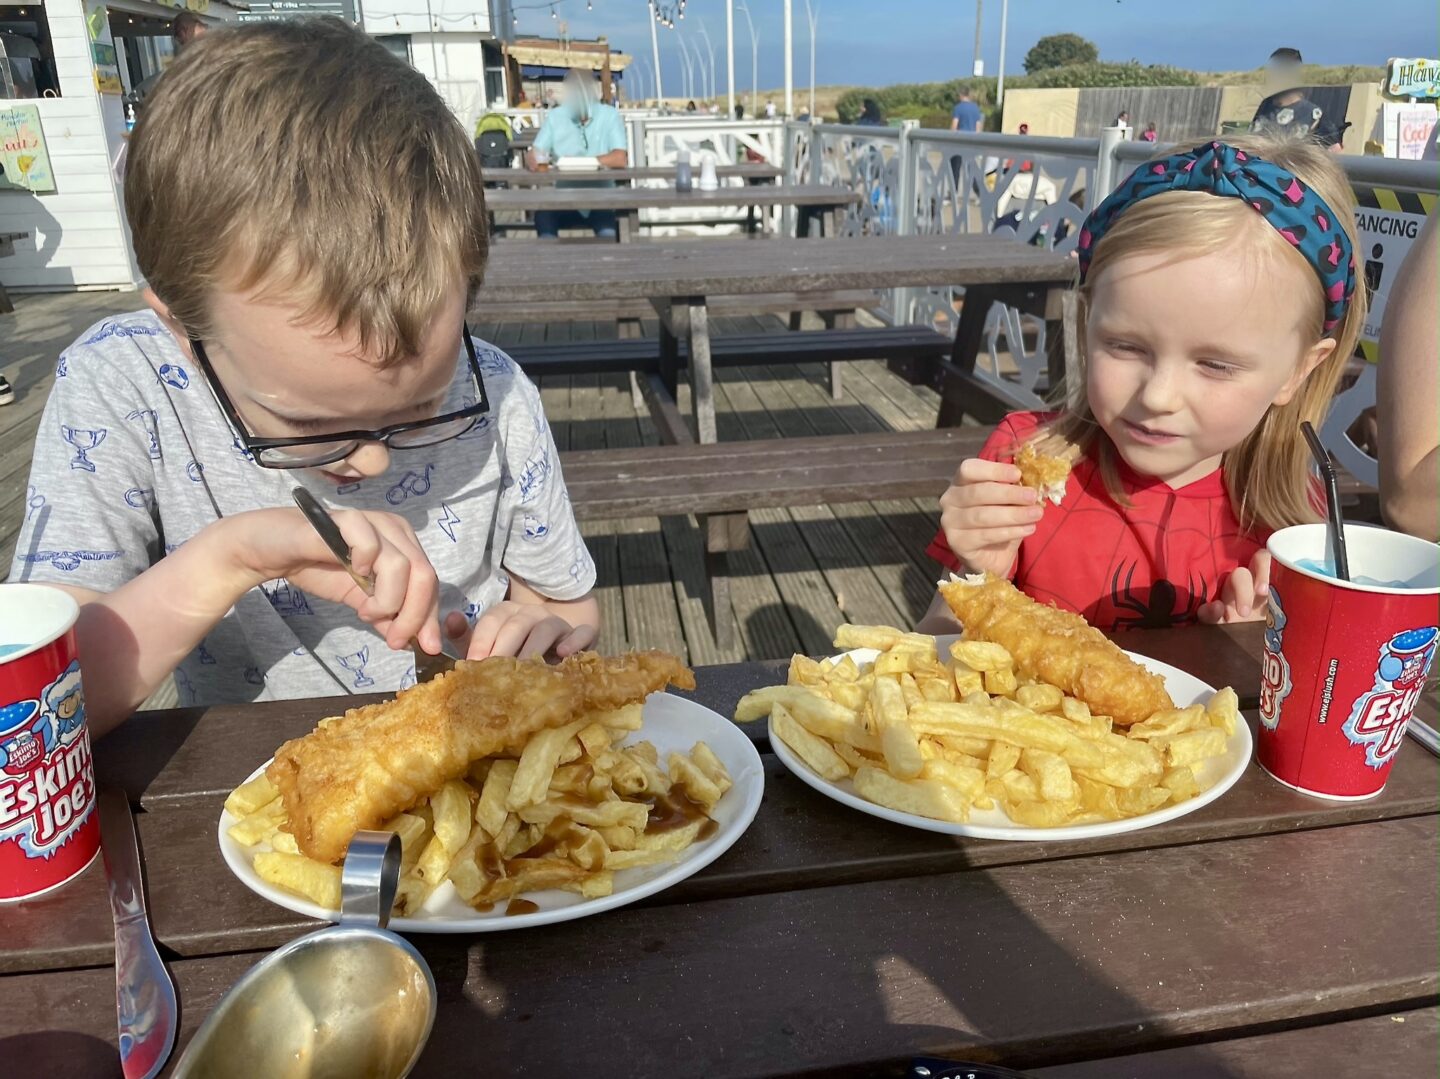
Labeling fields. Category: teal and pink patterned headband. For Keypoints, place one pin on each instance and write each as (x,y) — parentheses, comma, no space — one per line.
(1298,213)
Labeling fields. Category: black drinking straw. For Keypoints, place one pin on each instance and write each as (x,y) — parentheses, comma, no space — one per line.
(1332,501)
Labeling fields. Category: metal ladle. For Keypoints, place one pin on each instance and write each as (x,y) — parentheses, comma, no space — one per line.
(353,1000)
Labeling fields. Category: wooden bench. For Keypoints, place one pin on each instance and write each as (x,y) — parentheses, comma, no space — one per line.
(836,309)
(7,247)
(642,356)
(721,482)
(632,311)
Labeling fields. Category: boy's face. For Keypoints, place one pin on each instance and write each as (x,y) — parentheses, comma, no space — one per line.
(290,380)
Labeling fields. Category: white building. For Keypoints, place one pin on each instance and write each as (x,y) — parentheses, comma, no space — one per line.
(456,44)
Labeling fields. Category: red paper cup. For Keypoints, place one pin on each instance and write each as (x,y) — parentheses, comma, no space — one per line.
(1345,662)
(49,831)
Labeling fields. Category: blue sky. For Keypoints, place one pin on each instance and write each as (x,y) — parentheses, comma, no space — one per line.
(877,42)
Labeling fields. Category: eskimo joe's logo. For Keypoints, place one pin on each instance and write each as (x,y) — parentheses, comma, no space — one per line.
(47,788)
(1274,669)
(1377,721)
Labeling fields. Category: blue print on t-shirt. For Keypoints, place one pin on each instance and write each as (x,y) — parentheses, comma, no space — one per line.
(84,441)
(67,561)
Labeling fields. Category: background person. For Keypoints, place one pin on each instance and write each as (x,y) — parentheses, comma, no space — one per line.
(184,28)
(870,114)
(580,126)
(966,115)
(1285,112)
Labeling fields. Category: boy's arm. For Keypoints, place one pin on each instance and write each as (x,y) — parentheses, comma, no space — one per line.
(131,638)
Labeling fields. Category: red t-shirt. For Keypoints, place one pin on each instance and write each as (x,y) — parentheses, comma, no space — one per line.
(1151,564)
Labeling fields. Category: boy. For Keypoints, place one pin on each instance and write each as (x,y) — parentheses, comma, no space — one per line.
(310,219)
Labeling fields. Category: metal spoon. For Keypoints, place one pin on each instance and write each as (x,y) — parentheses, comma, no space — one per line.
(426,665)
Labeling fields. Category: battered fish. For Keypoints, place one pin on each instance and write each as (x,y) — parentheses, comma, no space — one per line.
(1058,647)
(359,770)
(1044,472)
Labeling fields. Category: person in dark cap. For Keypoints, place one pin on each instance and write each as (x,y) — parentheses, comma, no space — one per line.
(1286,112)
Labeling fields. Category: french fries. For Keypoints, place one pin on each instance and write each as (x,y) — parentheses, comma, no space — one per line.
(937,733)
(566,810)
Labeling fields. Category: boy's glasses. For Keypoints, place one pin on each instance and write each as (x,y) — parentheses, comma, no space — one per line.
(315,450)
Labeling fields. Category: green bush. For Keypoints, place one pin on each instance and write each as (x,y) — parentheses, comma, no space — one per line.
(1060,50)
(1310,75)
(1104,73)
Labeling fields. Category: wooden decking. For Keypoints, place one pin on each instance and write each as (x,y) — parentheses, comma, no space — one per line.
(806,571)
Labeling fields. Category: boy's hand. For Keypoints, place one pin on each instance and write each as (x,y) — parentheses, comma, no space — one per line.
(986,513)
(281,543)
(519,629)
(1243,596)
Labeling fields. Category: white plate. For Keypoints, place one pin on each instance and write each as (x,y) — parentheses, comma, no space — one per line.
(671,724)
(1220,773)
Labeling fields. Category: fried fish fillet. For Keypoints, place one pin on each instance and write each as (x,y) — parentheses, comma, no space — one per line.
(1045,472)
(1058,647)
(359,770)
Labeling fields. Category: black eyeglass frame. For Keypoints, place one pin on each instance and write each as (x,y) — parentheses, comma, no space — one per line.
(255,445)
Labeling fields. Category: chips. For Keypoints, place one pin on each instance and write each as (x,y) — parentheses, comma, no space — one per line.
(937,733)
(564,811)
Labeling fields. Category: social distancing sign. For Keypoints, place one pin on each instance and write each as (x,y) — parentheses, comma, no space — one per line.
(1388,222)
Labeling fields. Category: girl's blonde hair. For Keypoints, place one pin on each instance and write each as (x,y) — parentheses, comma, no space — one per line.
(1267,475)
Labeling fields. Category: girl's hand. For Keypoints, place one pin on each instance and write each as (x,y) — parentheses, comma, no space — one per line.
(518,629)
(986,513)
(1242,599)
(268,544)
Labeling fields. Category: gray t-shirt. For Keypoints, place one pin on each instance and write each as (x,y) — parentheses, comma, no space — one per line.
(134,457)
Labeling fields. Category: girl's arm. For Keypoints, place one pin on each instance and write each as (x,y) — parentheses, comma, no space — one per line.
(1408,393)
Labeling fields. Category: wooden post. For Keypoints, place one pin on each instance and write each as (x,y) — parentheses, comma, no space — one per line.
(607,88)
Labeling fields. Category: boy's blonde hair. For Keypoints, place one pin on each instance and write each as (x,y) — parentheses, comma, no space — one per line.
(1267,475)
(304,162)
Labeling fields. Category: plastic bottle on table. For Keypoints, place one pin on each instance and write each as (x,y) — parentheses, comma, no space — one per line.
(684,180)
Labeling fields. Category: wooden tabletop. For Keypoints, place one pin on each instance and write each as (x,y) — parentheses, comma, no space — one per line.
(829,940)
(727,266)
(634,199)
(532,178)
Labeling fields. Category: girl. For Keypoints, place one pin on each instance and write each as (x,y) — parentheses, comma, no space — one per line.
(1217,309)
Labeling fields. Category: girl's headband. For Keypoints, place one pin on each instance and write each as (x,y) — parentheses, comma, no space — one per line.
(1296,211)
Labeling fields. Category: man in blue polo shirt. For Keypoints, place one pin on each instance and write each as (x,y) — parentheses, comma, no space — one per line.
(581,126)
(966,116)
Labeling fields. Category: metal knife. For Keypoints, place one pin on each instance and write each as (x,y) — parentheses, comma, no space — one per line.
(426,665)
(144,994)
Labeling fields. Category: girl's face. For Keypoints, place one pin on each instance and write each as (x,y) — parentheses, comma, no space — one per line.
(1185,355)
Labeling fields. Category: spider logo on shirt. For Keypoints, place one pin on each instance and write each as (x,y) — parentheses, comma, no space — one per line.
(1166,605)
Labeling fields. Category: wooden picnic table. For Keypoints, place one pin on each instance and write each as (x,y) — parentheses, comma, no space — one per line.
(679,276)
(518,177)
(818,207)
(1273,931)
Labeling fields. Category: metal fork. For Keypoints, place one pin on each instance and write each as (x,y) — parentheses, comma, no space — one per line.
(426,665)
